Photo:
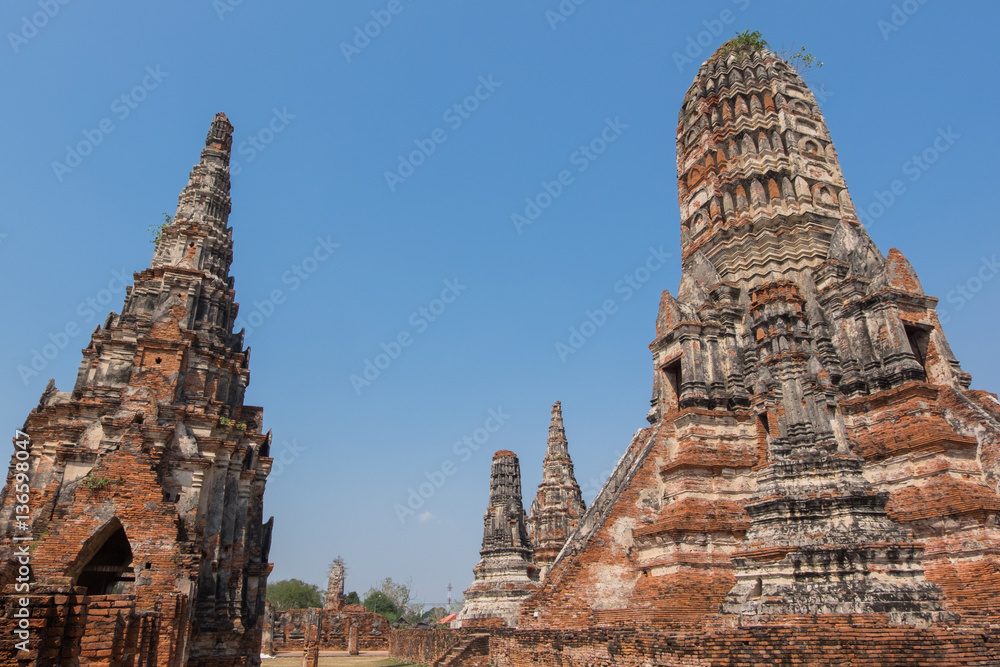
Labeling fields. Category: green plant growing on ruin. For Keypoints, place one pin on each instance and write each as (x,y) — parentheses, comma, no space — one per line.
(801,61)
(241,426)
(157,230)
(743,45)
(225,421)
(95,483)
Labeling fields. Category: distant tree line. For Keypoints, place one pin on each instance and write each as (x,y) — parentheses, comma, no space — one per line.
(388,598)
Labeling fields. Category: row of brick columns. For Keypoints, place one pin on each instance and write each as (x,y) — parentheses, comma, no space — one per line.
(310,654)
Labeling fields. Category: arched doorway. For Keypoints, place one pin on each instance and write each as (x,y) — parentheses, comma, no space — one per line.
(108,571)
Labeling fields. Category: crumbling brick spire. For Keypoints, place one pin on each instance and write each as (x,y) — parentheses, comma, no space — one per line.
(186,296)
(558,506)
(334,600)
(505,574)
(198,237)
(153,460)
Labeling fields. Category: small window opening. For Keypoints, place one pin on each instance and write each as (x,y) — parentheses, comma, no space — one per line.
(158,360)
(758,588)
(672,373)
(918,338)
(109,571)
(765,426)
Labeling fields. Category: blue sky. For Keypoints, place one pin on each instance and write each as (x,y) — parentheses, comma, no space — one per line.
(318,126)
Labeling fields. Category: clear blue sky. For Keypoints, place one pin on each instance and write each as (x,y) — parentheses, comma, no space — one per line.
(329,122)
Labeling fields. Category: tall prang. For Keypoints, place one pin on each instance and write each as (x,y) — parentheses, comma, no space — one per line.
(505,574)
(147,479)
(558,506)
(813,447)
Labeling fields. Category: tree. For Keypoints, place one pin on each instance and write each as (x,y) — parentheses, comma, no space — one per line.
(378,602)
(352,598)
(293,594)
(400,596)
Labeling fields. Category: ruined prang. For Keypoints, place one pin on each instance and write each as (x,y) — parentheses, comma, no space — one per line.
(814,451)
(147,479)
(505,574)
(335,600)
(558,506)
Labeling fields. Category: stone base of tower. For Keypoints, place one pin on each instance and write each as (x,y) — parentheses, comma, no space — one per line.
(792,640)
(503,582)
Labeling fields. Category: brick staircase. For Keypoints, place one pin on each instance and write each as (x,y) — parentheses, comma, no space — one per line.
(472,645)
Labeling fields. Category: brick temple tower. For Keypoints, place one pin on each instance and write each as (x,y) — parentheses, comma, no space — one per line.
(147,479)
(814,450)
(505,574)
(558,506)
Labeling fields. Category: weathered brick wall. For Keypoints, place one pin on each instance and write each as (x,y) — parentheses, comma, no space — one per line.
(837,641)
(423,646)
(72,629)
(294,628)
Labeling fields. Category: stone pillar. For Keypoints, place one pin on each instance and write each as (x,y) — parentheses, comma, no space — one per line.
(267,633)
(310,656)
(352,639)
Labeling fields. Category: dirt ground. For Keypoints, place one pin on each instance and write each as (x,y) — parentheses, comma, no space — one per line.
(337,659)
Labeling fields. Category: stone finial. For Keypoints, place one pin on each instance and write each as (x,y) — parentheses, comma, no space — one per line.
(198,237)
(220,135)
(557,445)
(504,527)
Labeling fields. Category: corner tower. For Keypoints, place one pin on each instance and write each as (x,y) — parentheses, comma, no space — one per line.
(558,506)
(505,574)
(147,479)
